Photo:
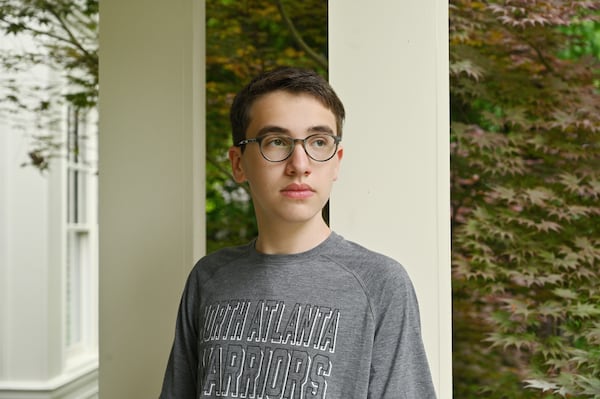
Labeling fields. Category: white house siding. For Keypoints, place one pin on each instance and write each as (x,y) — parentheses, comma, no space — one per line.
(33,359)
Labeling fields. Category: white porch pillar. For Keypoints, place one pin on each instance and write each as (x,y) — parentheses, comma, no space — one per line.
(389,64)
(151,144)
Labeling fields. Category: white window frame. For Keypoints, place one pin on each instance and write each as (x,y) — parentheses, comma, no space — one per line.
(80,246)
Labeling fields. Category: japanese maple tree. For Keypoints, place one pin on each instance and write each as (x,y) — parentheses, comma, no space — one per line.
(525,198)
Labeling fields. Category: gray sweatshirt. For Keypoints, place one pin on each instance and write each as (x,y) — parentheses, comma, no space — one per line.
(335,322)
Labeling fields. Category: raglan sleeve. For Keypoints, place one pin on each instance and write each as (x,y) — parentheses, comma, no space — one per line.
(399,366)
(180,379)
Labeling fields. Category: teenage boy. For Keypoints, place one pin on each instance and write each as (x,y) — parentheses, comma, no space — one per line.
(299,312)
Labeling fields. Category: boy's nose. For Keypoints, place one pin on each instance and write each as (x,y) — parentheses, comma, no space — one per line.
(298,162)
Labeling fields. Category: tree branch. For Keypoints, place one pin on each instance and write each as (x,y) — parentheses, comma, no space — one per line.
(38,32)
(91,58)
(73,40)
(541,56)
(322,61)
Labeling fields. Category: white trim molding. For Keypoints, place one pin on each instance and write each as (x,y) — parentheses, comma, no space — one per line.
(80,383)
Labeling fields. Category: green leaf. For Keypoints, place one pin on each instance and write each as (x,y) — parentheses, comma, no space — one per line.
(585,310)
(565,293)
(542,385)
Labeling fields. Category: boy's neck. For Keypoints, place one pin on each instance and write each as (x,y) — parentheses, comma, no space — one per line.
(291,239)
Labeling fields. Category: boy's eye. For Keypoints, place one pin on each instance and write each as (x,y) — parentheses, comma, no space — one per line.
(276,141)
(319,141)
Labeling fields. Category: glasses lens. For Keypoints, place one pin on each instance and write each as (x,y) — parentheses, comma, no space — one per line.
(276,147)
(320,147)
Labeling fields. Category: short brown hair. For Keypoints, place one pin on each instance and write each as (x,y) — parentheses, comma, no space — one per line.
(290,79)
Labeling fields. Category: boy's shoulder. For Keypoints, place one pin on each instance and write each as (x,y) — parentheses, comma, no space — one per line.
(383,279)
(372,268)
(210,263)
(362,259)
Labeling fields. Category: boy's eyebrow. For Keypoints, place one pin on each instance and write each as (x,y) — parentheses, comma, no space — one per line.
(271,129)
(278,129)
(321,129)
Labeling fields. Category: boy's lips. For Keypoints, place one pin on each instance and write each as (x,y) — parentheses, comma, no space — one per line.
(297,191)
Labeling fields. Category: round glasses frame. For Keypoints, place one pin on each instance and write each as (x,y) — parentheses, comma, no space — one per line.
(259,139)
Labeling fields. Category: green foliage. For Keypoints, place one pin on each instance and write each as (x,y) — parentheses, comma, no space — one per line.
(243,39)
(64,37)
(585,39)
(525,198)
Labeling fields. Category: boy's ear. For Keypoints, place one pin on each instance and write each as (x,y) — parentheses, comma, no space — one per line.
(340,152)
(235,157)
(339,155)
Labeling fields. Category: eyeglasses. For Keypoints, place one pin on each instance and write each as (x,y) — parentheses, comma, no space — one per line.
(320,147)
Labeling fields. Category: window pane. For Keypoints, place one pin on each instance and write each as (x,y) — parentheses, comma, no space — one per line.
(78,253)
(76,197)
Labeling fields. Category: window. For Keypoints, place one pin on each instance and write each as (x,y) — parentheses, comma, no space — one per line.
(81,274)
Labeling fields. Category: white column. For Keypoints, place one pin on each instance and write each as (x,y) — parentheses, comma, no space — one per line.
(151,145)
(389,64)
